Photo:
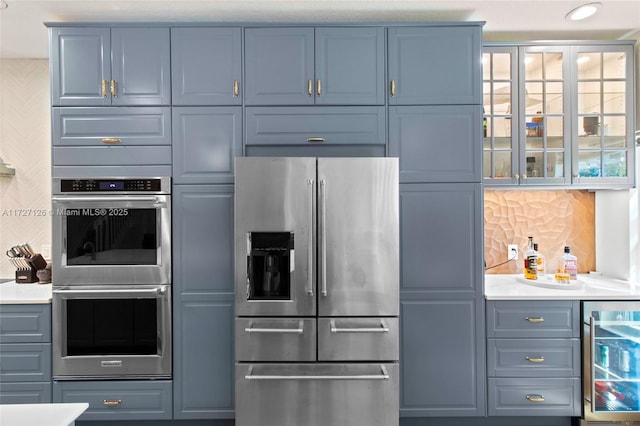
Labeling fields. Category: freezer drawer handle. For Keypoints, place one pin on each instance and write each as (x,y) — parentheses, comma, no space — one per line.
(298,330)
(383,376)
(534,319)
(535,358)
(382,329)
(535,398)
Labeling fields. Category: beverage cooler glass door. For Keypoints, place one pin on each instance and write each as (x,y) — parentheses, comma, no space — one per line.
(611,348)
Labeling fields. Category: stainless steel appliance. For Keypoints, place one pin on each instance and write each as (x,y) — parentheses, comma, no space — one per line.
(111,302)
(317,302)
(611,354)
(121,332)
(111,231)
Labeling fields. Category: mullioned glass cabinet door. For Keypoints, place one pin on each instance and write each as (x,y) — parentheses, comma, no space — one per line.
(603,125)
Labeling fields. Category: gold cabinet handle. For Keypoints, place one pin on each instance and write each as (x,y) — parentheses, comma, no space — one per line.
(103,88)
(534,358)
(310,87)
(535,398)
(111,402)
(534,319)
(111,140)
(319,87)
(315,139)
(236,88)
(114,88)
(393,87)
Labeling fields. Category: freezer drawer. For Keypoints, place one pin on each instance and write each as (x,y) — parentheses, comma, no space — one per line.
(358,339)
(317,394)
(275,339)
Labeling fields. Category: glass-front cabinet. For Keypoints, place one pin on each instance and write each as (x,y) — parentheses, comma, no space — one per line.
(611,355)
(558,114)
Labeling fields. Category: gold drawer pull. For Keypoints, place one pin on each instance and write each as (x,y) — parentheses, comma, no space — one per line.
(535,359)
(111,402)
(535,398)
(114,88)
(111,140)
(534,319)
(103,88)
(315,139)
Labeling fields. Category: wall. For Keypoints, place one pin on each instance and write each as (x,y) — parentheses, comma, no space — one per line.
(553,218)
(25,143)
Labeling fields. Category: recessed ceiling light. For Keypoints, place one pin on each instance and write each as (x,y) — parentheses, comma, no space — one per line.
(583,11)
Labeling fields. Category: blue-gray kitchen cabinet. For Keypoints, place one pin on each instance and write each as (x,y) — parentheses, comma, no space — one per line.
(25,354)
(203,301)
(98,66)
(306,66)
(437,143)
(442,355)
(206,65)
(435,65)
(206,141)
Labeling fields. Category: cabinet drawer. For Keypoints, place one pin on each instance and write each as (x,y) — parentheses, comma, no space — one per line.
(315,126)
(118,400)
(111,125)
(110,155)
(358,339)
(275,339)
(25,362)
(533,357)
(25,323)
(534,397)
(523,319)
(25,393)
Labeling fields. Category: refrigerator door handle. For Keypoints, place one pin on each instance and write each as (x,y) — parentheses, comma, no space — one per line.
(384,375)
(323,208)
(382,329)
(310,248)
(299,330)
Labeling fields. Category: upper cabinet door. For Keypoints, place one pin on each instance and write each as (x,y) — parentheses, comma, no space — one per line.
(349,66)
(435,65)
(102,66)
(206,66)
(80,66)
(279,66)
(141,70)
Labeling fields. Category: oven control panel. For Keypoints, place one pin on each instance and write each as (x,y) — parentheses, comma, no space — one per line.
(110,185)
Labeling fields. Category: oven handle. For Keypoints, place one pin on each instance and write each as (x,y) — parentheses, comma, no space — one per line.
(384,375)
(118,198)
(158,291)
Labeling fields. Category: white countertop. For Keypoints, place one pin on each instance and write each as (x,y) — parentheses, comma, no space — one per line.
(12,293)
(41,414)
(587,287)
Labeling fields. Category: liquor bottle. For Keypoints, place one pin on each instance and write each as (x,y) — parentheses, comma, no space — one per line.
(530,262)
(540,269)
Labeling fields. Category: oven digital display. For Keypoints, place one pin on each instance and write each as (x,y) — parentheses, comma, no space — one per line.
(111,185)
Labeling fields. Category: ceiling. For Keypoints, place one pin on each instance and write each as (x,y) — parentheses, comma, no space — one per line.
(23,35)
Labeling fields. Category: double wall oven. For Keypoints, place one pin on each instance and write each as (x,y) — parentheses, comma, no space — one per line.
(111,278)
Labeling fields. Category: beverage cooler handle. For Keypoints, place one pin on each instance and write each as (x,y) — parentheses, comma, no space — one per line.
(310,248)
(384,375)
(592,366)
(323,208)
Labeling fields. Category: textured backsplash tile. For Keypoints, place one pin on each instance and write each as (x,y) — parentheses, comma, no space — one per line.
(553,218)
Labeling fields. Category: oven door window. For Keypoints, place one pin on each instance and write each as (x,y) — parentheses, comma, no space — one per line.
(112,327)
(116,236)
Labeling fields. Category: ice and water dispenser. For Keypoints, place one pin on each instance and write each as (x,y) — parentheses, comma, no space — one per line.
(270,263)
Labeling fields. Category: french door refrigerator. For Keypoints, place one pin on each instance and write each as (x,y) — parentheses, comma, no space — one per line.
(611,354)
(317,297)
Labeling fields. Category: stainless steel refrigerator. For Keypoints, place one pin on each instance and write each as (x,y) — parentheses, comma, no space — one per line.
(316,280)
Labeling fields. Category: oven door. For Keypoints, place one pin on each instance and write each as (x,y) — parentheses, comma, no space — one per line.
(115,239)
(112,332)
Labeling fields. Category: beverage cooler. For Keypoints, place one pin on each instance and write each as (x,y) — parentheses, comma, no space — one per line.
(611,353)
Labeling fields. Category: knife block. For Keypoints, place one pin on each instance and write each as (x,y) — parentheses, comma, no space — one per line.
(26,275)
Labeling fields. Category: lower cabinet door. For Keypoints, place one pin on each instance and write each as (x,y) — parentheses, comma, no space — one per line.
(317,394)
(534,397)
(118,400)
(25,393)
